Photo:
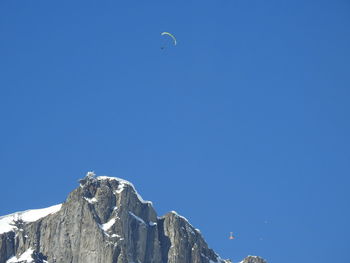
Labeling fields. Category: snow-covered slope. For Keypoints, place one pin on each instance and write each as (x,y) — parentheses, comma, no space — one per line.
(25,257)
(7,223)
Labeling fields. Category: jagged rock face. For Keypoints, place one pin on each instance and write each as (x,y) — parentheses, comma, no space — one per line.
(104,220)
(187,244)
(253,259)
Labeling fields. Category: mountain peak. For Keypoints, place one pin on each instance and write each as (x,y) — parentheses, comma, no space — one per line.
(253,259)
(103,220)
(91,179)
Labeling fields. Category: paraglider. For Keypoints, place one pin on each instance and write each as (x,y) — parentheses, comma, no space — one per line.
(231,236)
(168,35)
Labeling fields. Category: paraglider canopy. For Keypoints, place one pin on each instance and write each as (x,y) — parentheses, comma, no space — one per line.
(170,35)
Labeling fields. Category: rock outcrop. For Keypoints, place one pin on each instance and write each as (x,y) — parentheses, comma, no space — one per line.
(104,220)
(253,259)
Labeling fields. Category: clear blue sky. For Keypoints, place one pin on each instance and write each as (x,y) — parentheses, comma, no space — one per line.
(243,127)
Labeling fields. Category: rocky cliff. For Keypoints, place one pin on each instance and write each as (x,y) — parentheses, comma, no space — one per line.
(103,220)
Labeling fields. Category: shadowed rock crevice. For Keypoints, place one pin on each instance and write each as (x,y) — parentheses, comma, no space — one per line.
(163,240)
(7,245)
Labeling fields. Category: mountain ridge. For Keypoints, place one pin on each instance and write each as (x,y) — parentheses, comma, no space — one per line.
(103,220)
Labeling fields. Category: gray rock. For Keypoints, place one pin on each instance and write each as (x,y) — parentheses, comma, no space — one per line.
(104,220)
(253,259)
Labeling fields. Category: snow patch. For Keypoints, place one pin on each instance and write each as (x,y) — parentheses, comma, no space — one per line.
(120,188)
(137,218)
(91,200)
(108,225)
(26,256)
(6,222)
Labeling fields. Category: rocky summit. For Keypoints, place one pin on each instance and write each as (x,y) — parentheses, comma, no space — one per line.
(253,259)
(104,220)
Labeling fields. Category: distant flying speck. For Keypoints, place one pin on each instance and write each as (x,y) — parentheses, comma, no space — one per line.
(231,236)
